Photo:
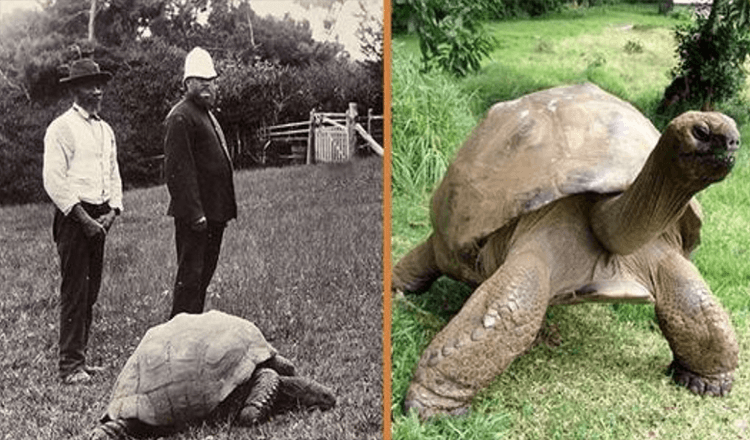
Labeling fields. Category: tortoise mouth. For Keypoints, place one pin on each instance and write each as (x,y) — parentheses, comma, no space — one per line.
(711,165)
(718,157)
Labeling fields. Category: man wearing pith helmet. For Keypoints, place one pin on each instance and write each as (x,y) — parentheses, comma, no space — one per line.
(198,171)
(82,177)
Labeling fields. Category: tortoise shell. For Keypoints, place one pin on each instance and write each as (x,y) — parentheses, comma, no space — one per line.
(179,372)
(534,150)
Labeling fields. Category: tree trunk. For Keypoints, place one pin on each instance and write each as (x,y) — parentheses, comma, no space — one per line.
(92,16)
(250,25)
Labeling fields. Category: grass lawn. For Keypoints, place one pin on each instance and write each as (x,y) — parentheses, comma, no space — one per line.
(607,380)
(303,262)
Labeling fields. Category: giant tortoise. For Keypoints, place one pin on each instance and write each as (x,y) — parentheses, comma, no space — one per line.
(206,367)
(563,196)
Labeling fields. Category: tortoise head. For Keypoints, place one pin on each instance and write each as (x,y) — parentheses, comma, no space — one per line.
(695,150)
(700,147)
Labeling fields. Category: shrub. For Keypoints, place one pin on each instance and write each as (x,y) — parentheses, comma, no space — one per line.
(711,56)
(147,83)
(451,34)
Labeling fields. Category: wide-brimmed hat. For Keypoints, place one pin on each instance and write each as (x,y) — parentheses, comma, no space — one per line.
(84,70)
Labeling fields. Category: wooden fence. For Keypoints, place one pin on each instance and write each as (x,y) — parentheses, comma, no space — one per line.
(325,137)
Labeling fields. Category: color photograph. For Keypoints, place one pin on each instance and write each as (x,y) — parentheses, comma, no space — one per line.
(569,220)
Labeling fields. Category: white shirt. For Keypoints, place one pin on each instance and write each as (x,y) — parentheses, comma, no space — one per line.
(80,161)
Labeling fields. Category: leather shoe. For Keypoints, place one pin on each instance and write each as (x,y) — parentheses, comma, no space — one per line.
(76,377)
(93,370)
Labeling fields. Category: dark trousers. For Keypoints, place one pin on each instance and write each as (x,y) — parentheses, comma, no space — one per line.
(197,256)
(81,261)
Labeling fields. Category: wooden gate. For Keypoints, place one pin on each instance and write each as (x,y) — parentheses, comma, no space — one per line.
(326,137)
(331,144)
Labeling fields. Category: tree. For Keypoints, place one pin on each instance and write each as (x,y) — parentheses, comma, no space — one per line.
(272,71)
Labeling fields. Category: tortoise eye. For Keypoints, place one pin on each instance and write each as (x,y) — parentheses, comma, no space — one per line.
(701,133)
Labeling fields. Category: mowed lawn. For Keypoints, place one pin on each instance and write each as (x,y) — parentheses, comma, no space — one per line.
(303,262)
(607,379)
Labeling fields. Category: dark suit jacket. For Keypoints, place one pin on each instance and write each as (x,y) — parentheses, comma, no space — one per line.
(197,167)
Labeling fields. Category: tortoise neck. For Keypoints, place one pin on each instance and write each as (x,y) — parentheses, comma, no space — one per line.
(655,200)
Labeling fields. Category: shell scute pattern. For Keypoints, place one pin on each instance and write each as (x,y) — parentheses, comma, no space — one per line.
(516,161)
(170,383)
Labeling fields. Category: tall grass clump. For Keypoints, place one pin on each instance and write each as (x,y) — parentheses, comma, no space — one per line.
(431,118)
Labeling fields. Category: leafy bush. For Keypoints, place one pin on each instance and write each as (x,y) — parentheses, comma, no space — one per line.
(406,14)
(138,99)
(633,46)
(711,55)
(451,34)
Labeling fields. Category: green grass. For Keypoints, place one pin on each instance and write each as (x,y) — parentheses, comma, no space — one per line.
(607,380)
(303,261)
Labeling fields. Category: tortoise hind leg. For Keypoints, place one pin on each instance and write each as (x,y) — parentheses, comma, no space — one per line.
(416,271)
(498,323)
(697,328)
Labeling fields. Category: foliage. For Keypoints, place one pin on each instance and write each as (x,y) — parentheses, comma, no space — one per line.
(712,50)
(272,71)
(568,51)
(136,106)
(451,35)
(406,14)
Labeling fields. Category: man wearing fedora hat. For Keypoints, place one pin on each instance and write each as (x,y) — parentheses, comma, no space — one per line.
(199,178)
(82,177)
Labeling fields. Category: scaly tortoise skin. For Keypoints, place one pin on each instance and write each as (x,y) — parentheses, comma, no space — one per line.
(564,196)
(210,366)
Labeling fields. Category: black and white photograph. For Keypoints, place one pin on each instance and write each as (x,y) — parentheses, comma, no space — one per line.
(192,219)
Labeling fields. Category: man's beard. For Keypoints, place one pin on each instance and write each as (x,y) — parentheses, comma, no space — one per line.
(91,104)
(204,99)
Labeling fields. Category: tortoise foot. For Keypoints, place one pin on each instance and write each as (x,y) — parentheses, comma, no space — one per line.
(426,413)
(713,385)
(428,405)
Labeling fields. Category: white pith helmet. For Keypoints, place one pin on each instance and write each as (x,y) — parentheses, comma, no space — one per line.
(198,64)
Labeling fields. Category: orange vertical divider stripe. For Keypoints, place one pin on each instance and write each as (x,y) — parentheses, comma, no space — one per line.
(387,219)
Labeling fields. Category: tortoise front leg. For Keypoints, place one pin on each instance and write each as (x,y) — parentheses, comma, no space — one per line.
(697,328)
(264,387)
(417,270)
(498,323)
(271,393)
